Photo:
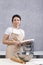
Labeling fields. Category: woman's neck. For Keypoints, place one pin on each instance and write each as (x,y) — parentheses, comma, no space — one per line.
(17,27)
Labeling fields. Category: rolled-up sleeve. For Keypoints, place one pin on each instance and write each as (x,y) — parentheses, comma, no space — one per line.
(7,31)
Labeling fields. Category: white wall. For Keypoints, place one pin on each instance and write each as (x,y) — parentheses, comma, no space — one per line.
(31,12)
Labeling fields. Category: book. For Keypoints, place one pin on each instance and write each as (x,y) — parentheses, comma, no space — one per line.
(27,41)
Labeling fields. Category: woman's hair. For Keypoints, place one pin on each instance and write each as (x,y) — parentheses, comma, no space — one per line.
(16,15)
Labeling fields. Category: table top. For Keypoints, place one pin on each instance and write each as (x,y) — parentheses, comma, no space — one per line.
(37,61)
(7,61)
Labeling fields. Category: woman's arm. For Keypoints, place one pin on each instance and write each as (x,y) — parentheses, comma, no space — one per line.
(9,42)
(18,60)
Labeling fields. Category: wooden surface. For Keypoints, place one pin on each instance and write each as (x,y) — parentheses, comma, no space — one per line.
(10,62)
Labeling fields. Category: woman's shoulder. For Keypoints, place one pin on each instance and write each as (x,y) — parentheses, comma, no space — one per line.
(8,28)
(21,30)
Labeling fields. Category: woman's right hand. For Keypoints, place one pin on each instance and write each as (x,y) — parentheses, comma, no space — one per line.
(16,42)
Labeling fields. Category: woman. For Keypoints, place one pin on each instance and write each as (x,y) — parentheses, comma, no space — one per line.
(12,37)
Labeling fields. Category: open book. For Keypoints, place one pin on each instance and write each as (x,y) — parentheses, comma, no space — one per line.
(27,41)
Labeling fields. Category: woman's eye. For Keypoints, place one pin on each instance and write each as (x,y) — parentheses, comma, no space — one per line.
(14,20)
(17,20)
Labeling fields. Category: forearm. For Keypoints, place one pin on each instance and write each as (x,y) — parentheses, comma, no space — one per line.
(9,42)
(18,60)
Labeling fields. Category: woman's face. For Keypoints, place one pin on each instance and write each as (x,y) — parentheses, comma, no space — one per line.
(16,22)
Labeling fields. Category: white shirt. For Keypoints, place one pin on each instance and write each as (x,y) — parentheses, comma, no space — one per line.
(11,30)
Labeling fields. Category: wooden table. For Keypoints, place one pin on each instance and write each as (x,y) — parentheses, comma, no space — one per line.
(7,61)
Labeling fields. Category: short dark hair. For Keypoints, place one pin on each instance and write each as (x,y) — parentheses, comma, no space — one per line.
(16,15)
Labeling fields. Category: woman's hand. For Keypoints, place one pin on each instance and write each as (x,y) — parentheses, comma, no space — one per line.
(17,43)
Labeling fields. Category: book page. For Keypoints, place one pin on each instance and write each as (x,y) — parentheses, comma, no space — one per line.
(27,41)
